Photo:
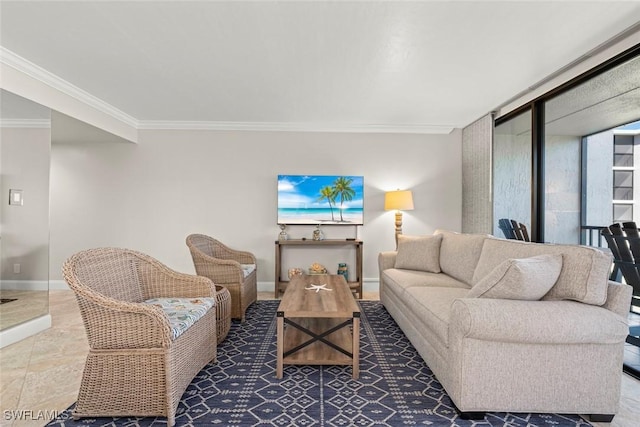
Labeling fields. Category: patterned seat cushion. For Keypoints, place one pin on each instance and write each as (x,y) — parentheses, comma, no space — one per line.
(247,269)
(182,312)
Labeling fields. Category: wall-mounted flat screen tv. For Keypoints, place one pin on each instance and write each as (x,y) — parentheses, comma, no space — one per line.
(321,199)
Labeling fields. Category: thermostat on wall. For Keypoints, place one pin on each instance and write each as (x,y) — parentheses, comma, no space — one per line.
(15,197)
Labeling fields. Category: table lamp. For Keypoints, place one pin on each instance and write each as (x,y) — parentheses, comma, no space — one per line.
(400,200)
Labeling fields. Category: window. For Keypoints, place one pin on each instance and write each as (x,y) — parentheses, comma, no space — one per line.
(623,151)
(580,179)
(622,185)
(622,212)
(512,171)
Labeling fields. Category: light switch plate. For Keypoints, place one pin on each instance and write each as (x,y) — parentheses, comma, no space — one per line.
(15,197)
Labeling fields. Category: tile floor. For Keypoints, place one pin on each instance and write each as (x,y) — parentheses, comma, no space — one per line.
(40,376)
(27,305)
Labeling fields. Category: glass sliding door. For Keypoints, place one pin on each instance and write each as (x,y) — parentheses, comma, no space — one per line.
(574,150)
(624,177)
(590,166)
(562,175)
(612,188)
(597,185)
(512,171)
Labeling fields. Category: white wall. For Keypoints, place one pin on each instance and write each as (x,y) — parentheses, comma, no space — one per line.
(25,229)
(149,196)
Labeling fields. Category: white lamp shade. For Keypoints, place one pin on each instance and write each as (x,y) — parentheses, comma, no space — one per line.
(401,200)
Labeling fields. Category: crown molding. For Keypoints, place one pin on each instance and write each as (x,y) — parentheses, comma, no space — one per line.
(25,123)
(292,127)
(27,67)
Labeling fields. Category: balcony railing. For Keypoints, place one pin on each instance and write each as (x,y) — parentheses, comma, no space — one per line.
(590,236)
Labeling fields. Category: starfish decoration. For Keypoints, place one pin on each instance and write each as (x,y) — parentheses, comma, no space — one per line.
(318,288)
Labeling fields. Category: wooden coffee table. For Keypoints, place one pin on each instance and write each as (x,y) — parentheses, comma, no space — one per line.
(318,327)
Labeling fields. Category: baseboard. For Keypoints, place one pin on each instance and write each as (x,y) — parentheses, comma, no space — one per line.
(58,285)
(24,330)
(368,285)
(24,285)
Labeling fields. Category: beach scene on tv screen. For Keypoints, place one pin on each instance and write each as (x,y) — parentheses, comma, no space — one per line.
(320,199)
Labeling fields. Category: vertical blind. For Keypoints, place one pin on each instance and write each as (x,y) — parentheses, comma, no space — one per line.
(477,206)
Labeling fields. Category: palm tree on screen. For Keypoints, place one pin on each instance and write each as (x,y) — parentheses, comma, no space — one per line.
(342,188)
(329,194)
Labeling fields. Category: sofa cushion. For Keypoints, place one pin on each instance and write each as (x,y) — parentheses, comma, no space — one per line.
(459,254)
(420,253)
(402,279)
(520,279)
(433,306)
(584,275)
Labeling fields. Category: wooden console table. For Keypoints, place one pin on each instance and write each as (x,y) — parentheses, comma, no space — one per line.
(356,286)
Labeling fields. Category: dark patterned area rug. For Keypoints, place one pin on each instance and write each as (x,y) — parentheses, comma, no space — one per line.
(395,388)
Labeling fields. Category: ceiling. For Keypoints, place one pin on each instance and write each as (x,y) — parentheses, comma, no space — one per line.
(606,101)
(423,67)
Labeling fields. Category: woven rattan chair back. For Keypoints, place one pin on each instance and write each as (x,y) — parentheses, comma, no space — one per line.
(110,272)
(135,366)
(202,243)
(223,265)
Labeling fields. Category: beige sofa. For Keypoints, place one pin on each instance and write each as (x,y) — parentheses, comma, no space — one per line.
(479,312)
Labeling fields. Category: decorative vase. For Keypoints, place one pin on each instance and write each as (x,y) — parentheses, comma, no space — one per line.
(317,233)
(343,270)
(283,234)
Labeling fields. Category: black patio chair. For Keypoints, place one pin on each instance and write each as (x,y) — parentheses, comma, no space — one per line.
(514,230)
(624,243)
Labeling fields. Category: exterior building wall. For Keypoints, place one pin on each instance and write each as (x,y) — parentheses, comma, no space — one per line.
(598,178)
(512,179)
(562,189)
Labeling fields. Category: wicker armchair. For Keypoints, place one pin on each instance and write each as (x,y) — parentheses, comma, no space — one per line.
(135,366)
(224,266)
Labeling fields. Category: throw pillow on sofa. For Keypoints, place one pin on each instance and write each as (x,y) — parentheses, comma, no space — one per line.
(420,253)
(521,279)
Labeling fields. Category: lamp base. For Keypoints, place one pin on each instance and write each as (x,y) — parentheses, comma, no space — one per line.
(398,226)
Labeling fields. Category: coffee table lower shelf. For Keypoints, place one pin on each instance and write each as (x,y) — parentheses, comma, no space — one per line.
(318,341)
